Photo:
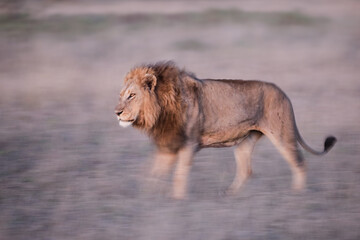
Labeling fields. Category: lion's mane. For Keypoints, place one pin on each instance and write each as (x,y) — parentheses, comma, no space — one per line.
(161,115)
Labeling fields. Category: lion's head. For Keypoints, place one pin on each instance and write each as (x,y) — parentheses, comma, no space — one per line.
(137,102)
(151,100)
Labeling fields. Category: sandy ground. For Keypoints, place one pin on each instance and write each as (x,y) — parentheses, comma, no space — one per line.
(67,171)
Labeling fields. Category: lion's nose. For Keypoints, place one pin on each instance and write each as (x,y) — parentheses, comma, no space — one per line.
(118,112)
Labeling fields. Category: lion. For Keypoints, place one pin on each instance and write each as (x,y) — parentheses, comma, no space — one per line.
(183,114)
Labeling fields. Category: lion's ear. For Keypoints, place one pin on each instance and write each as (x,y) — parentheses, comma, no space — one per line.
(149,82)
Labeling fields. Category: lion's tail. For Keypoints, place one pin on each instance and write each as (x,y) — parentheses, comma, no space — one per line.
(328,144)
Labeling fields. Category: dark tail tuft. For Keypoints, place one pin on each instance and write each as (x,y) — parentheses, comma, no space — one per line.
(329,143)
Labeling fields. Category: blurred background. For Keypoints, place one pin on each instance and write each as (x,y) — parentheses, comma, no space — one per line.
(67,171)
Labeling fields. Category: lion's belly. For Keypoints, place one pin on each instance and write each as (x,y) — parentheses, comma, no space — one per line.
(222,138)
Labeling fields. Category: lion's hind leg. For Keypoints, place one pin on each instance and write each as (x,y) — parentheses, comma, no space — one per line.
(279,126)
(288,147)
(243,161)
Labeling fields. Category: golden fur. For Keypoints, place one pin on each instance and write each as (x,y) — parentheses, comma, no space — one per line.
(183,114)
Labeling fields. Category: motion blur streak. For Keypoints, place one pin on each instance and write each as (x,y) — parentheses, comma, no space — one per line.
(67,171)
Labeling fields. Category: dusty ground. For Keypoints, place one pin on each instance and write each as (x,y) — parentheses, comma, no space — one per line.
(67,171)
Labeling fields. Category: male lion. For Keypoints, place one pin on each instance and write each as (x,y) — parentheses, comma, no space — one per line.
(183,114)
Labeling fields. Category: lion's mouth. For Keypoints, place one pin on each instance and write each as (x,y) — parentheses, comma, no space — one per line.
(126,123)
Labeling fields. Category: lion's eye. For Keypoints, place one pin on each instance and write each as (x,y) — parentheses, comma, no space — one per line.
(131,96)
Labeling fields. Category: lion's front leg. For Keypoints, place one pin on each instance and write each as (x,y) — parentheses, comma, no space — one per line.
(162,164)
(182,170)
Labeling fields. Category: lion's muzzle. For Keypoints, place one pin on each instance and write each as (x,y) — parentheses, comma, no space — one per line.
(125,124)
